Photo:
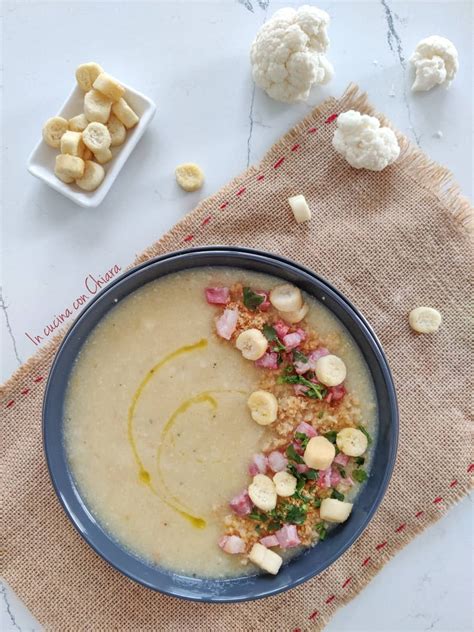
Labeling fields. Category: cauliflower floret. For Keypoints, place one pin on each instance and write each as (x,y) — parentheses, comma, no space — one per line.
(436,62)
(287,54)
(363,143)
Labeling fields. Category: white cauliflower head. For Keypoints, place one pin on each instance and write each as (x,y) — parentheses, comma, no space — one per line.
(363,143)
(287,54)
(436,62)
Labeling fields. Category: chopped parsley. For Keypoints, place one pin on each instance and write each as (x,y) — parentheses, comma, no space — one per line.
(359,475)
(288,379)
(321,414)
(255,515)
(299,488)
(302,438)
(274,525)
(342,472)
(287,513)
(296,514)
(317,503)
(292,454)
(331,436)
(301,496)
(271,335)
(337,495)
(359,460)
(275,513)
(251,299)
(311,475)
(321,530)
(302,477)
(299,357)
(369,438)
(300,484)
(292,470)
(315,391)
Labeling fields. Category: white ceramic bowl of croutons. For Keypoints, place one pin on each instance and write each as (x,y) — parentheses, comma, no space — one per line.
(42,159)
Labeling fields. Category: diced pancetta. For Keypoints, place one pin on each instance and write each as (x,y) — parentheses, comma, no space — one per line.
(288,536)
(232,544)
(226,323)
(258,464)
(301,367)
(293,340)
(335,394)
(306,429)
(268,361)
(281,329)
(277,461)
(241,504)
(269,541)
(341,459)
(217,295)
(265,306)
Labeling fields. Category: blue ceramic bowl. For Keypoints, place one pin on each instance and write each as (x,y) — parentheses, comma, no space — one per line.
(310,562)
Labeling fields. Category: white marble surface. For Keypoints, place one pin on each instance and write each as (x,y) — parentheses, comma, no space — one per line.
(192,59)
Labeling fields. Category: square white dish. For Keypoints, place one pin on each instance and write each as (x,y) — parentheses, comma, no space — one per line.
(42,158)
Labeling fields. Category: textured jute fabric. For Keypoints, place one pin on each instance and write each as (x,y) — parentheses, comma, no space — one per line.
(389,241)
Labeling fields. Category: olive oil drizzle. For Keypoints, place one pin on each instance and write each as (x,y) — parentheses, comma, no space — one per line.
(143,474)
(200,398)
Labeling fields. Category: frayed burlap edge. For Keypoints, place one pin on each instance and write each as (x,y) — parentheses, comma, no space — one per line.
(434,178)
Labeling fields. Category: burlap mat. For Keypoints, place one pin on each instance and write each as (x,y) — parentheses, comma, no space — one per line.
(390,241)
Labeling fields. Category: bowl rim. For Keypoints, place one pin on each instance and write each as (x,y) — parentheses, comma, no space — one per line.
(392,408)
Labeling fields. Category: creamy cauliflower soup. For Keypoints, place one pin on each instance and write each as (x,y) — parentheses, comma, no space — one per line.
(219,420)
